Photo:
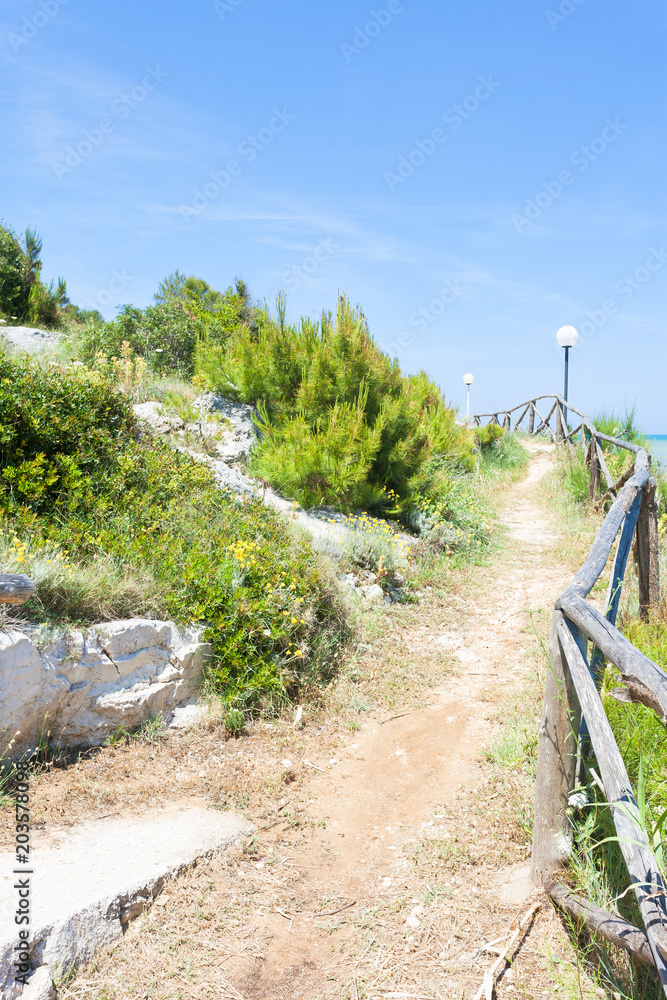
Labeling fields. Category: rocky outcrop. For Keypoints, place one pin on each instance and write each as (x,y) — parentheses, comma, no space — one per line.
(158,418)
(29,339)
(85,686)
(236,433)
(226,426)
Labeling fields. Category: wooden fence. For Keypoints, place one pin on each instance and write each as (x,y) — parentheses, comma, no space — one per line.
(15,588)
(582,639)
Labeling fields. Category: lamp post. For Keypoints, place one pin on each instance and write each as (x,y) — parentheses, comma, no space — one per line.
(468,379)
(567,337)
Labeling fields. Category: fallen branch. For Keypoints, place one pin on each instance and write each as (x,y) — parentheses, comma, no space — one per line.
(15,588)
(486,989)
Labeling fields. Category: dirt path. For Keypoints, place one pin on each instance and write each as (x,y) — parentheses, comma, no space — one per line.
(383,870)
(383,789)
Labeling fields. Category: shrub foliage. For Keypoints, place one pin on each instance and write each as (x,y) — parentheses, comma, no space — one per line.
(77,478)
(341,424)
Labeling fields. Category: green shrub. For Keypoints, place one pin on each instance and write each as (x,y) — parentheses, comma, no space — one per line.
(504,454)
(373,544)
(58,436)
(488,434)
(328,464)
(23,294)
(341,424)
(83,489)
(166,334)
(235,722)
(454,518)
(14,284)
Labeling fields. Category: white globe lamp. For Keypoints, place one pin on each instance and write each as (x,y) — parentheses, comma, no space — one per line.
(567,337)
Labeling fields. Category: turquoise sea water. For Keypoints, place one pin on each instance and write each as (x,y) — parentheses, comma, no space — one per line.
(658,444)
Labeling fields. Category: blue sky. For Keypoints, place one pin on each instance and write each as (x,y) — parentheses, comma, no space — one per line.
(475,174)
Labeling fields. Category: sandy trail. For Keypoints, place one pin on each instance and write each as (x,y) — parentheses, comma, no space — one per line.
(381,790)
(384,858)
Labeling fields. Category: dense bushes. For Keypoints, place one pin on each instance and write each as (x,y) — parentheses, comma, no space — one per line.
(13,275)
(166,334)
(341,424)
(23,294)
(81,487)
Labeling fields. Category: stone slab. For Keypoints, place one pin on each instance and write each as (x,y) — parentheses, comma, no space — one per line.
(90,880)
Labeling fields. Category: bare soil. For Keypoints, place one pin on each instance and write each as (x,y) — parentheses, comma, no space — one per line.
(391,838)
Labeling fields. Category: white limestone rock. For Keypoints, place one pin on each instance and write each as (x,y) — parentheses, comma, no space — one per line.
(85,686)
(29,339)
(40,986)
(373,593)
(93,878)
(30,689)
(237,433)
(159,419)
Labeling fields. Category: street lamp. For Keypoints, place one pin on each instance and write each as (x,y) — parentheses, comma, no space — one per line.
(468,379)
(567,337)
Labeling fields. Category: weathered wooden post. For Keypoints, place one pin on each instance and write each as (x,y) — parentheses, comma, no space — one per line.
(531,419)
(561,429)
(594,466)
(556,764)
(15,588)
(648,570)
(507,424)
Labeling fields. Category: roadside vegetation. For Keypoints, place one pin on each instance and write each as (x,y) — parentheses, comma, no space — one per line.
(111,522)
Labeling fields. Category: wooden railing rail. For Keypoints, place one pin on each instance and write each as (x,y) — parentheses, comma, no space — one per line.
(15,588)
(573,712)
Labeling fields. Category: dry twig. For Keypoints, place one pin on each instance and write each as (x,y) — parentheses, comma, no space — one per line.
(486,989)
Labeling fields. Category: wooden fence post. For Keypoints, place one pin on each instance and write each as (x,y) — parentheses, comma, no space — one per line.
(647,550)
(556,764)
(561,429)
(507,423)
(594,466)
(531,419)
